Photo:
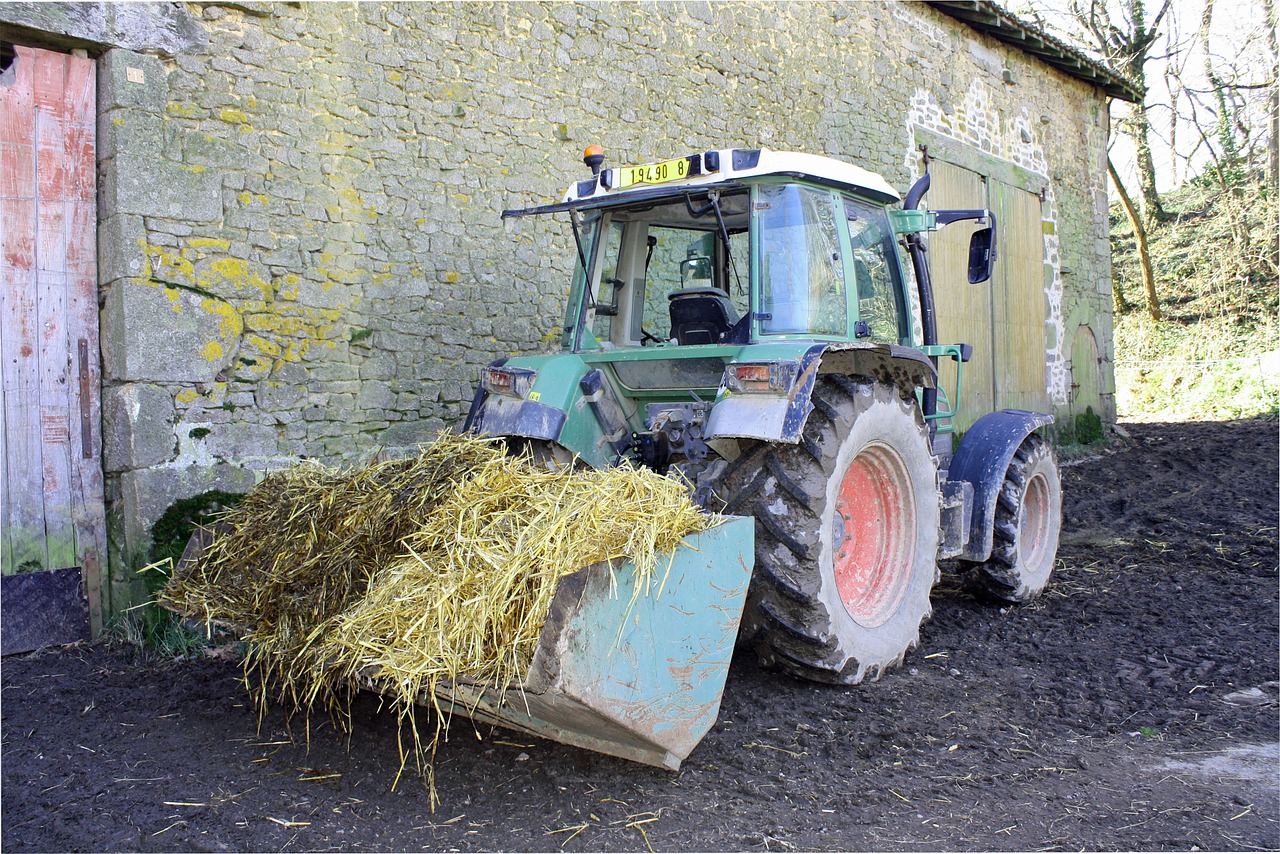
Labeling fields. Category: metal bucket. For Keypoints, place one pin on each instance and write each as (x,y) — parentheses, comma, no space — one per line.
(634,675)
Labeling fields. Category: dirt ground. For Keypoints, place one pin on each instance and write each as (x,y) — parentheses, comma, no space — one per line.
(1132,707)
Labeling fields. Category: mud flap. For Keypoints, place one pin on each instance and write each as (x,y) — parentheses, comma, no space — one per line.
(982,460)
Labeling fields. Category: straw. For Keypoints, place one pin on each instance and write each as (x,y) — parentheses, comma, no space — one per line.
(418,573)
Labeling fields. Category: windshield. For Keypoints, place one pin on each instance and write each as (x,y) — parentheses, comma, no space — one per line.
(802,287)
(667,271)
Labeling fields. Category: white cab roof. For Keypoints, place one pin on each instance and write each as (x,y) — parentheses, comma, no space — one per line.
(727,165)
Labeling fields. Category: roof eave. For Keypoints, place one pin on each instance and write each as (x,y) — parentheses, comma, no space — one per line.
(986,17)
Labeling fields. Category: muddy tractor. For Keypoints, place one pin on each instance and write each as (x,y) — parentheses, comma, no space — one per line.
(746,320)
(743,319)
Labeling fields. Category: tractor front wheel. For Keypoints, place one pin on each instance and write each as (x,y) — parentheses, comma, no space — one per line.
(846,534)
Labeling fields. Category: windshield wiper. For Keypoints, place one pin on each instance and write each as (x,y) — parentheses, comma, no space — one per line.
(713,204)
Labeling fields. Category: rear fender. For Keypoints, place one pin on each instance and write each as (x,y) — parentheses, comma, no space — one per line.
(982,459)
(781,418)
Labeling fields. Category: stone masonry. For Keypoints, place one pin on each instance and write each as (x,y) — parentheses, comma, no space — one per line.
(301,247)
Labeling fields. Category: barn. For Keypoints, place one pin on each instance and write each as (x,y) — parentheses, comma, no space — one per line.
(240,234)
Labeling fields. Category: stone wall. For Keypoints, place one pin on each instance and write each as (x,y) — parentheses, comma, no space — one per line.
(301,247)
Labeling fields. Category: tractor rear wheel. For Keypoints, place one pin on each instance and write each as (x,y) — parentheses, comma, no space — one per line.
(1027,525)
(846,534)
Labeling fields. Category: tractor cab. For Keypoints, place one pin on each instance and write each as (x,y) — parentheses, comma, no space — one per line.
(708,293)
(677,254)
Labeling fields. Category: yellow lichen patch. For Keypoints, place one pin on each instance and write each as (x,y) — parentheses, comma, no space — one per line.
(185,110)
(203,243)
(175,299)
(262,345)
(235,271)
(194,167)
(165,262)
(253,368)
(234,291)
(212,352)
(187,396)
(230,324)
(234,117)
(451,277)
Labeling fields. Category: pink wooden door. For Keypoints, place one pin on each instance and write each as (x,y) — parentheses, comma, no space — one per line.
(51,496)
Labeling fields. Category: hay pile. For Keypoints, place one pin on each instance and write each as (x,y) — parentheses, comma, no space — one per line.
(418,572)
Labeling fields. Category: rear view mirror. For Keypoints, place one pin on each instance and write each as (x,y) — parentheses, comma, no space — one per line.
(982,255)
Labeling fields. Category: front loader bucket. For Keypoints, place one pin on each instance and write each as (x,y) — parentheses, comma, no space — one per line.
(637,675)
(634,676)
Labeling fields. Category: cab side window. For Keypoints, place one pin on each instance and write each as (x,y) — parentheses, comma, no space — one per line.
(602,325)
(875,272)
(802,285)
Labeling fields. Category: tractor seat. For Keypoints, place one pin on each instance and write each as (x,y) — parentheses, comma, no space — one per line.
(701,315)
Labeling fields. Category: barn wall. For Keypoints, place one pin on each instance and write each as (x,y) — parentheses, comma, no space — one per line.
(301,247)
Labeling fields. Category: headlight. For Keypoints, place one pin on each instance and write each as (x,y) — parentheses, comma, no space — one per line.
(512,382)
(761,377)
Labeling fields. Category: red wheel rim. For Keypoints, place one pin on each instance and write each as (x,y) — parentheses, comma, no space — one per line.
(874,535)
(1033,529)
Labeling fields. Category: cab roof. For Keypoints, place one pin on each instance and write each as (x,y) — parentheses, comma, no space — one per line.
(735,164)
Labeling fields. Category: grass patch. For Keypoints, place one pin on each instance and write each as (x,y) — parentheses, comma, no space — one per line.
(158,632)
(1216,353)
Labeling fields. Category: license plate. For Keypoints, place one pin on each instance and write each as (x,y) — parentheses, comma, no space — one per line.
(654,173)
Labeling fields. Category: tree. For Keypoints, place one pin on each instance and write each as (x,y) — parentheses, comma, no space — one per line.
(1273,95)
(1144,252)
(1125,40)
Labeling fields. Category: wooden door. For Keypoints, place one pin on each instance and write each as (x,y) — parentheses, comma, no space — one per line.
(1004,318)
(1019,304)
(1086,373)
(963,310)
(51,480)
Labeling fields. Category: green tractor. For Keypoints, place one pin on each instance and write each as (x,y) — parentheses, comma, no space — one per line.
(744,319)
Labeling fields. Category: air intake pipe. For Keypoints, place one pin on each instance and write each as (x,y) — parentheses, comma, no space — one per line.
(920,264)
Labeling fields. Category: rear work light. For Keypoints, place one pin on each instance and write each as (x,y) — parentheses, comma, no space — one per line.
(512,382)
(761,377)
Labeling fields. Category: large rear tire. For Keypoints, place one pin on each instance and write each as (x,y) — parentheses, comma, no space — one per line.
(1028,524)
(846,534)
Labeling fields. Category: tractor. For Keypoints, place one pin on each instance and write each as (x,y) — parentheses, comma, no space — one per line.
(761,324)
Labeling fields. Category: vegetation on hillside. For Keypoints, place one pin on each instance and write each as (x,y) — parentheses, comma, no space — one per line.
(1216,351)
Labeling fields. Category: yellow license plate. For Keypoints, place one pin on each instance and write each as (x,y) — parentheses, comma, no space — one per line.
(654,173)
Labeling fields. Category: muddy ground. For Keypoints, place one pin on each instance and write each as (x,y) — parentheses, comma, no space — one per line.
(1133,707)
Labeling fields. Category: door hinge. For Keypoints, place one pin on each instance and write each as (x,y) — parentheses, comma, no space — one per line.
(86,408)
